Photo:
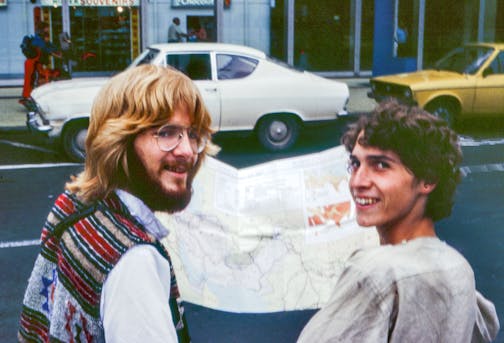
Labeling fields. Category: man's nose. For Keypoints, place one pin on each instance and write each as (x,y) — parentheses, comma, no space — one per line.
(360,177)
(184,148)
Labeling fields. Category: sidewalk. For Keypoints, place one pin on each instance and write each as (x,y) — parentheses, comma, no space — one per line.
(359,101)
(13,115)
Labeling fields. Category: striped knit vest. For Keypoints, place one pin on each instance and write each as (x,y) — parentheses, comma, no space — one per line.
(80,246)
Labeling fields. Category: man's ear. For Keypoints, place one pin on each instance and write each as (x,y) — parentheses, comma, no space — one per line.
(427,187)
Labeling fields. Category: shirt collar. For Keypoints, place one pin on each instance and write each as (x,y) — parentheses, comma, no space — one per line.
(143,214)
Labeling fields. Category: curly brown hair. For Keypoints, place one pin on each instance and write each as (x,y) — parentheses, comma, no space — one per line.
(423,142)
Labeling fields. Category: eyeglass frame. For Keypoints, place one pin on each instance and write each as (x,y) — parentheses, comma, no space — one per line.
(200,144)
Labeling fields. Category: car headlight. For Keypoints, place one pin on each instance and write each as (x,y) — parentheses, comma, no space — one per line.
(407,93)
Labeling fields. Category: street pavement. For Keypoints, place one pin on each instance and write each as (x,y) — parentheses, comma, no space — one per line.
(13,115)
(474,229)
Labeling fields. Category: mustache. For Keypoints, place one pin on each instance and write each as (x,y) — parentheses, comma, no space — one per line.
(181,163)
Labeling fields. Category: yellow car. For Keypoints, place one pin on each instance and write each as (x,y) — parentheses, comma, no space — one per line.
(468,82)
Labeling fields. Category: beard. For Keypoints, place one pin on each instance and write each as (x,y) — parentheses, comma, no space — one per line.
(150,189)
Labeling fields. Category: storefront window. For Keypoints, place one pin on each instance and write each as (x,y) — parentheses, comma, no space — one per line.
(201,28)
(406,28)
(324,35)
(448,25)
(278,27)
(367,35)
(101,38)
(499,29)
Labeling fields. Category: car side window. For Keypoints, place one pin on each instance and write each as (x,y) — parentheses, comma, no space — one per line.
(497,65)
(197,65)
(234,67)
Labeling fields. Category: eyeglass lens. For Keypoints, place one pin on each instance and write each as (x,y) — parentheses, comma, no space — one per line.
(169,136)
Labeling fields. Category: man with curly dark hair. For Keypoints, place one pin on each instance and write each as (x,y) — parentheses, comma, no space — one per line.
(404,170)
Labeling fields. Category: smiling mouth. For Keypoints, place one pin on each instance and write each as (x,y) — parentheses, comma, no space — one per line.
(179,169)
(365,201)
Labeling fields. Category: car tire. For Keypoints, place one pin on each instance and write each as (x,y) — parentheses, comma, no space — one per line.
(74,140)
(445,110)
(278,132)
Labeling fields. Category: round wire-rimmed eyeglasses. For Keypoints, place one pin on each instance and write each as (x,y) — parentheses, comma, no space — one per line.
(169,136)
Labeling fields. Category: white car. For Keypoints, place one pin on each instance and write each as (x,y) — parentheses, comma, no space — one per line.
(243,89)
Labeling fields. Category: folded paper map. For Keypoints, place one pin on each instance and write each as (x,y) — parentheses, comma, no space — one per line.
(272,237)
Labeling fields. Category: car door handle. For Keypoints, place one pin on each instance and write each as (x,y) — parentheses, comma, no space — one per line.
(213,90)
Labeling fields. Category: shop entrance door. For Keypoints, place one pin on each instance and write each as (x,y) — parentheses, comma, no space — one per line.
(201,29)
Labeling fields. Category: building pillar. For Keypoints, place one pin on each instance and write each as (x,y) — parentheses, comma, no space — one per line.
(289,31)
(219,19)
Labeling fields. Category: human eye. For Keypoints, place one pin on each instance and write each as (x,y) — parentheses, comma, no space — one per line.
(381,165)
(193,134)
(353,164)
(168,131)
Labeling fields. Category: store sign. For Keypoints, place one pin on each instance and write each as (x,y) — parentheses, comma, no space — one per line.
(93,3)
(192,3)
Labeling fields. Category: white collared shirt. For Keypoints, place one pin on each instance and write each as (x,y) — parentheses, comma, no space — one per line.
(134,300)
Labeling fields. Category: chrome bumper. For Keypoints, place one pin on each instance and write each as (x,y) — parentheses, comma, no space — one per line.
(36,123)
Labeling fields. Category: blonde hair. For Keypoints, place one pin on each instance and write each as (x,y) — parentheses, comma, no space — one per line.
(131,102)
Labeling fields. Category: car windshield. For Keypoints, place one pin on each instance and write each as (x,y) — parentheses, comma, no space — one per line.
(145,57)
(464,60)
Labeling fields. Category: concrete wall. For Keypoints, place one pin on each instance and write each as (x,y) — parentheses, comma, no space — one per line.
(247,22)
(16,20)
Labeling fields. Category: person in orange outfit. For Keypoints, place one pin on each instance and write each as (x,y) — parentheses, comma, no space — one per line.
(31,64)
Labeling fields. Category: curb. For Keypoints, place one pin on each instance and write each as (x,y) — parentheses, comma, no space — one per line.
(11,129)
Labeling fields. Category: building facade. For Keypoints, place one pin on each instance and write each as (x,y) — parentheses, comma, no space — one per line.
(332,38)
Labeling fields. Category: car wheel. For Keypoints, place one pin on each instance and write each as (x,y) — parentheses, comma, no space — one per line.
(277,133)
(74,140)
(444,110)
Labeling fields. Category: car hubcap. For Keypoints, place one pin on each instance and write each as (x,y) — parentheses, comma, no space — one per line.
(80,140)
(278,131)
(444,114)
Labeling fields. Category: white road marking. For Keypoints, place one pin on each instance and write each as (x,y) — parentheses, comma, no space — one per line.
(482,168)
(27,146)
(40,165)
(16,244)
(469,141)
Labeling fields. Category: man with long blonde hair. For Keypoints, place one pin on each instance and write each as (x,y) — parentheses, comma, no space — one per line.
(102,273)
